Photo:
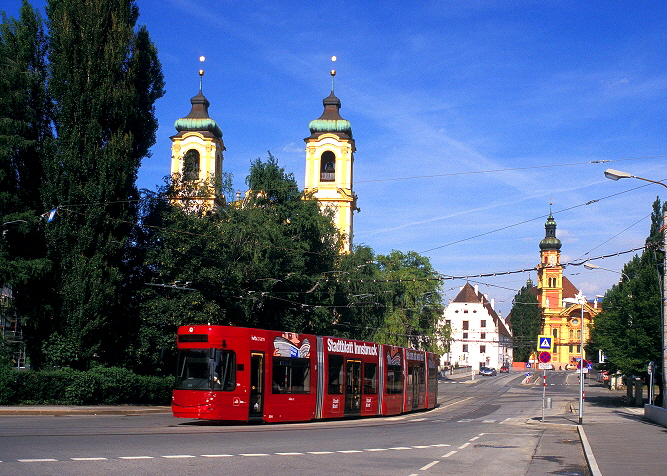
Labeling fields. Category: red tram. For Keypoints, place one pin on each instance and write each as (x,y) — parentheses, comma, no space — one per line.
(237,373)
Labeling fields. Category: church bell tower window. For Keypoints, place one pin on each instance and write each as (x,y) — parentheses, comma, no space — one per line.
(328,167)
(191,165)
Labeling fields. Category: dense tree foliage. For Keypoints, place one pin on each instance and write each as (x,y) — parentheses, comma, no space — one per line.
(627,329)
(526,323)
(91,84)
(25,138)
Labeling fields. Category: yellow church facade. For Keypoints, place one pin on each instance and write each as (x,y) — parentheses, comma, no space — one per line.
(561,304)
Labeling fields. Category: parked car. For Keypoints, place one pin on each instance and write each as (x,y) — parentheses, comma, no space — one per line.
(504,369)
(487,371)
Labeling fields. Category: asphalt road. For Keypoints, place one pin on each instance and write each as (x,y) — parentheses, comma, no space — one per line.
(479,427)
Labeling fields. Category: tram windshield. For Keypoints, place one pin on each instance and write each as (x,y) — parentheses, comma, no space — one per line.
(206,369)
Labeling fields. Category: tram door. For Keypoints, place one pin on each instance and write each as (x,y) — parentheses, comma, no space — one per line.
(415,371)
(256,385)
(353,387)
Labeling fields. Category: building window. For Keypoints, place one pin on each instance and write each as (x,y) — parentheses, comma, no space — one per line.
(328,167)
(465,325)
(465,335)
(448,322)
(482,335)
(191,165)
(482,349)
(483,323)
(465,347)
(555,333)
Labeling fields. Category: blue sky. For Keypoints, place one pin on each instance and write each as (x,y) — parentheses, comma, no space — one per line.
(469,118)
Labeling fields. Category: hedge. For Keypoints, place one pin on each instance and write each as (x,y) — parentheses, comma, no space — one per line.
(99,386)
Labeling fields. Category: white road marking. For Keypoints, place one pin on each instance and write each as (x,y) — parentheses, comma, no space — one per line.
(216,456)
(430,465)
(401,448)
(377,449)
(135,457)
(320,452)
(449,454)
(289,454)
(464,445)
(178,456)
(37,460)
(253,454)
(349,451)
(89,459)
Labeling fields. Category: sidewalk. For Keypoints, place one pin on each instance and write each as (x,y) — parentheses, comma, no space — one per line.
(55,410)
(617,439)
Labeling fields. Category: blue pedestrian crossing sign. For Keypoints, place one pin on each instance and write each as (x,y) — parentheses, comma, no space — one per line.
(545,343)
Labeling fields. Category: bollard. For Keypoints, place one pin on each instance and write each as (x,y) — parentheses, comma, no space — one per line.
(639,392)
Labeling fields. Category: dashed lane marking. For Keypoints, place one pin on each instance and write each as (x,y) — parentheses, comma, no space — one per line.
(449,454)
(249,455)
(428,466)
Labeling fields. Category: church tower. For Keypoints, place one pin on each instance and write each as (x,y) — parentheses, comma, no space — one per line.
(550,271)
(560,320)
(329,165)
(196,155)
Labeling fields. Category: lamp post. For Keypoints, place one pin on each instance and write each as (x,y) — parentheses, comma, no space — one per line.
(581,300)
(589,265)
(617,175)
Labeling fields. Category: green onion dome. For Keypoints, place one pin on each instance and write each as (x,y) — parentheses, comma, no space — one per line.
(330,120)
(550,242)
(198,120)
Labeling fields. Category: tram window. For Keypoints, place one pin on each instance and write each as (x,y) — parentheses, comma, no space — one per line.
(335,374)
(291,375)
(206,369)
(432,380)
(370,379)
(394,379)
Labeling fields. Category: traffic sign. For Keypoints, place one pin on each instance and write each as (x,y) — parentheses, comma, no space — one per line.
(545,343)
(528,365)
(545,357)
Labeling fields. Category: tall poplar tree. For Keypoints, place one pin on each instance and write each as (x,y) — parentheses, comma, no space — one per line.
(104,80)
(25,135)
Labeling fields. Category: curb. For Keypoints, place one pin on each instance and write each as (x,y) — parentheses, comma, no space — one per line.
(588,452)
(56,411)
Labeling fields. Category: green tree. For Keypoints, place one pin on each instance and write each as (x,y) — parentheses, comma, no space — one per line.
(526,322)
(25,137)
(104,80)
(628,328)
(414,305)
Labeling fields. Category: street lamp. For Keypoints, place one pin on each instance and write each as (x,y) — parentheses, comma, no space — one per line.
(589,265)
(617,175)
(581,300)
